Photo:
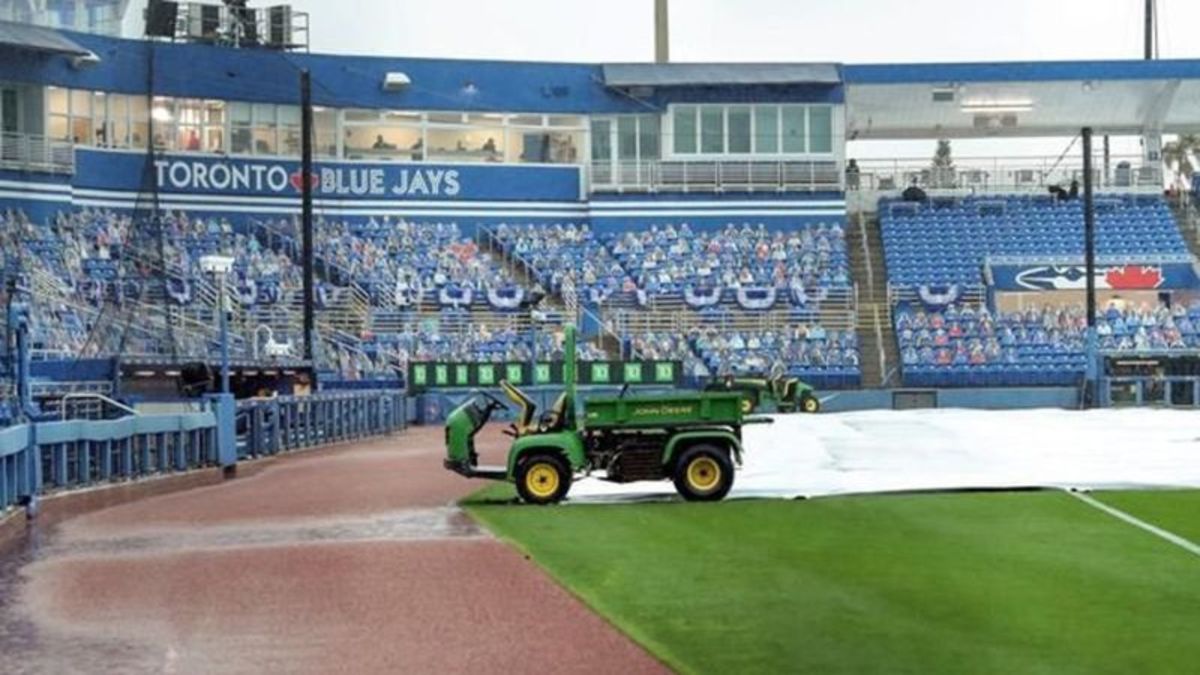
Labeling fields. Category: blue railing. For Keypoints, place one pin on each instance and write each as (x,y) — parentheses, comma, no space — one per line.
(50,456)
(270,426)
(16,465)
(44,457)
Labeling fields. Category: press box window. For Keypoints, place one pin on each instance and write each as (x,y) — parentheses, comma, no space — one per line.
(712,130)
(820,129)
(793,130)
(265,129)
(684,123)
(766,130)
(739,130)
(289,130)
(240,125)
(325,132)
(58,119)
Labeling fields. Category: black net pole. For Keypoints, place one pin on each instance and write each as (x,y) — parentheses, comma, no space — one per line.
(1089,261)
(306,210)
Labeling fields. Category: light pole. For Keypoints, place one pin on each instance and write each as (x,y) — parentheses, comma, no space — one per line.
(220,265)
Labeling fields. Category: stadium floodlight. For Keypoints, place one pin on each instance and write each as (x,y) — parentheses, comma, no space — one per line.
(396,81)
(1013,106)
(84,60)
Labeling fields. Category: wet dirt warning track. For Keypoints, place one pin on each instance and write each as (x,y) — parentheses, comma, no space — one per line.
(347,560)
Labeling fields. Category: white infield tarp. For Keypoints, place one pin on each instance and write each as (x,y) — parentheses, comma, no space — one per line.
(889,451)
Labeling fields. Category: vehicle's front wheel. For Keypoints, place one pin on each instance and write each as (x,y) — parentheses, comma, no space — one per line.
(810,404)
(543,478)
(703,473)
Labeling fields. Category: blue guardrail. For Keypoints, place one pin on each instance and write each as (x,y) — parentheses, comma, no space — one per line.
(47,457)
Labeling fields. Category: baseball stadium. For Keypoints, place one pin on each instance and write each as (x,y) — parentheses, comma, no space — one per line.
(353,361)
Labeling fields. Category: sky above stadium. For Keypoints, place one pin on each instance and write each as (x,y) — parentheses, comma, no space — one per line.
(847,31)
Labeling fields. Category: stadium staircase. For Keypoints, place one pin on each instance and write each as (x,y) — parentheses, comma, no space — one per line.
(1188,218)
(565,303)
(876,337)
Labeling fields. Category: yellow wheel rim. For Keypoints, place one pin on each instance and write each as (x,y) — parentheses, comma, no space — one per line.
(810,404)
(703,474)
(542,480)
(747,405)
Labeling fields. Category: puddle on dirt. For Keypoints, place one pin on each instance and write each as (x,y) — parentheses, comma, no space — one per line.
(30,648)
(411,525)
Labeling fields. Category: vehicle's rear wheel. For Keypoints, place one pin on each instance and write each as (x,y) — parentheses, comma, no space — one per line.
(543,478)
(703,473)
(811,404)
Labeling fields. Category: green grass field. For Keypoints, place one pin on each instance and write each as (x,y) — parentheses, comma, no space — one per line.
(944,583)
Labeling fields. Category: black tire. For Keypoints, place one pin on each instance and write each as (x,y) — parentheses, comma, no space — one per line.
(703,473)
(810,404)
(543,478)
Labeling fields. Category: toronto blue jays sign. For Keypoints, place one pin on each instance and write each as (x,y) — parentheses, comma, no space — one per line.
(1126,277)
(368,181)
(249,177)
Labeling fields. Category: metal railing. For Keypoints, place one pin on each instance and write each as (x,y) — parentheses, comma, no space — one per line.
(973,295)
(31,152)
(712,175)
(1148,259)
(242,27)
(43,457)
(883,364)
(636,322)
(49,456)
(1002,174)
(69,405)
(270,426)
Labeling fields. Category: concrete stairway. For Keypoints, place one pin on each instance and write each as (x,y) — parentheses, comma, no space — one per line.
(876,338)
(553,302)
(1188,219)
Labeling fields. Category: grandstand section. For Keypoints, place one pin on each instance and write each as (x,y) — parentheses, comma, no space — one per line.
(984,286)
(705,213)
(947,240)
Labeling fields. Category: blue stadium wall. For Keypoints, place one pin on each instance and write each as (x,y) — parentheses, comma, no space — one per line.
(248,189)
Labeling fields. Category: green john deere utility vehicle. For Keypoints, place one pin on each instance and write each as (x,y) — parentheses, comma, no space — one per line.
(786,394)
(694,439)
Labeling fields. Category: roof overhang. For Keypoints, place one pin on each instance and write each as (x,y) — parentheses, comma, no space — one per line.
(986,109)
(1021,99)
(622,75)
(39,39)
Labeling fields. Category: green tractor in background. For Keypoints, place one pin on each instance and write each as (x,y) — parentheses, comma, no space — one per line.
(693,439)
(788,394)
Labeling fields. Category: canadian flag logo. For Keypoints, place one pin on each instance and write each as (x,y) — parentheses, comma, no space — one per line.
(1133,277)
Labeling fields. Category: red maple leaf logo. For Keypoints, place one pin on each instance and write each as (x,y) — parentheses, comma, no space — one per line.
(297,180)
(1133,277)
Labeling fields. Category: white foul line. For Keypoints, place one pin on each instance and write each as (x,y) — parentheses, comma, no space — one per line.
(1179,541)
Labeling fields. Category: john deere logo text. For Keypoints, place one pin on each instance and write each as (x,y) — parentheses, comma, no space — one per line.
(662,410)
